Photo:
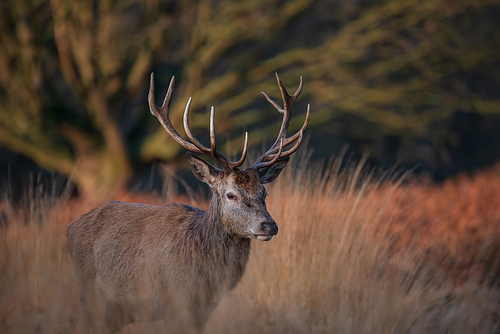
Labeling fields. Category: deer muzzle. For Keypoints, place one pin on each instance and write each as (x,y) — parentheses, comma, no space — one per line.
(270,228)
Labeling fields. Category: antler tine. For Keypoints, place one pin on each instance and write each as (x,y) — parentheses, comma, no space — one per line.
(187,129)
(212,131)
(243,154)
(273,161)
(289,140)
(276,105)
(293,138)
(162,114)
(290,151)
(288,102)
(228,166)
(212,151)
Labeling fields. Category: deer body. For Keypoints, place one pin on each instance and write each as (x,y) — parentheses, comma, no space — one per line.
(151,285)
(136,262)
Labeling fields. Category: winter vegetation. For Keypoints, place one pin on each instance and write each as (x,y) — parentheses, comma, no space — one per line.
(363,246)
(353,255)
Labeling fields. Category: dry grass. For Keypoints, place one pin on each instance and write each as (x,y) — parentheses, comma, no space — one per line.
(353,255)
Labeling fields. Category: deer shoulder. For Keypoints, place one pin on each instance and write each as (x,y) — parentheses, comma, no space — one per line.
(136,262)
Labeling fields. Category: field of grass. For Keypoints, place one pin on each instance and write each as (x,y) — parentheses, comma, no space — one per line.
(353,255)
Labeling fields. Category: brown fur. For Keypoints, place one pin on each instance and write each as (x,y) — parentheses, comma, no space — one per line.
(247,180)
(175,262)
(137,262)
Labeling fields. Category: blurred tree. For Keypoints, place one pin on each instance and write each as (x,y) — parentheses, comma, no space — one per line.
(66,68)
(72,70)
(74,73)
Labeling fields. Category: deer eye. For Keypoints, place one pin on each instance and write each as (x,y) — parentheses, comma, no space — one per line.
(231,196)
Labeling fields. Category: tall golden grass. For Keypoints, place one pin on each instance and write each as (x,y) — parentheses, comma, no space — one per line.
(355,254)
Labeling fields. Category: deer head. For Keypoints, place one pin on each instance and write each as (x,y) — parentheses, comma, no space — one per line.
(238,196)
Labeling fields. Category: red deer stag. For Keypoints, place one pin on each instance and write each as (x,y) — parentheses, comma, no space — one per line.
(174,262)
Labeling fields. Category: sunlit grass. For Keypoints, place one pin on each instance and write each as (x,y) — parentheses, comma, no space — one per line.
(353,255)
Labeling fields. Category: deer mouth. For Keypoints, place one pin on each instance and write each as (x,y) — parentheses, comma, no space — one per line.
(262,237)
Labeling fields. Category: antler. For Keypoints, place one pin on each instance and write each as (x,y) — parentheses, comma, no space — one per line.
(162,114)
(271,157)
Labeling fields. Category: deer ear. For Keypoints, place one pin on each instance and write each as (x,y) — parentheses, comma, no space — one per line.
(203,171)
(269,174)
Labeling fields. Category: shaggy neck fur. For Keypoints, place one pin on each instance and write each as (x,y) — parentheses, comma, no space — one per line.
(212,243)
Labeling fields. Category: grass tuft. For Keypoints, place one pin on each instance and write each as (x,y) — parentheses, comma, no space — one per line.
(354,254)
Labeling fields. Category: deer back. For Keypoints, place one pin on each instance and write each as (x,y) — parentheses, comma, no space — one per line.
(163,259)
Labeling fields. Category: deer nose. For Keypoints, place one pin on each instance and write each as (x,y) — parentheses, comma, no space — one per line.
(270,228)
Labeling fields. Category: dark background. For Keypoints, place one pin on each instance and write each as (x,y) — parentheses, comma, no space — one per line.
(412,83)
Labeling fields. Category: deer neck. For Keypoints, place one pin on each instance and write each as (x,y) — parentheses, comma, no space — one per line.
(213,224)
(216,245)
(213,227)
